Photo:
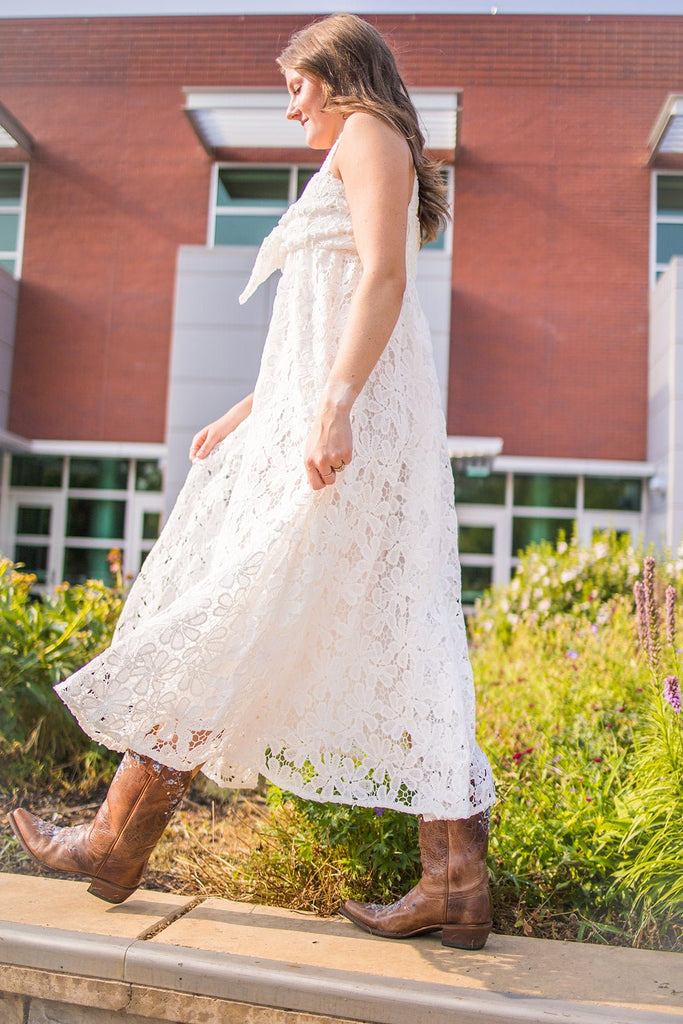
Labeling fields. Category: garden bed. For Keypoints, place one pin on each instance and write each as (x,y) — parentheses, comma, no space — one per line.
(581,725)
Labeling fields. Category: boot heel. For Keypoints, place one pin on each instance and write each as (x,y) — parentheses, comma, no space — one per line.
(465,936)
(109,891)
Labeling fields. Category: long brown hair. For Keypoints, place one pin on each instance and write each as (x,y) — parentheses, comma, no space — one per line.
(358,72)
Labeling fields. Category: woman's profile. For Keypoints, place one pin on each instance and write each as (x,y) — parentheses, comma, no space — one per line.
(300,616)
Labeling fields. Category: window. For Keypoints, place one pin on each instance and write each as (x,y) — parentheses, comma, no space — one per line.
(442,241)
(499,515)
(479,490)
(533,529)
(620,494)
(475,580)
(668,221)
(98,474)
(12,189)
(66,512)
(540,490)
(37,471)
(249,201)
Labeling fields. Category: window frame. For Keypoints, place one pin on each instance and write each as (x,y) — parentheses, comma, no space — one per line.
(294,170)
(655,220)
(504,559)
(18,254)
(137,502)
(214,208)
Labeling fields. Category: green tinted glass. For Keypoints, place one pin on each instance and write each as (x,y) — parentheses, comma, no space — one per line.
(533,529)
(438,245)
(475,540)
(253,186)
(613,493)
(81,564)
(475,580)
(148,475)
(86,518)
(303,176)
(36,471)
(9,265)
(669,241)
(669,195)
(34,519)
(99,474)
(540,490)
(34,559)
(151,524)
(11,179)
(9,230)
(480,490)
(248,229)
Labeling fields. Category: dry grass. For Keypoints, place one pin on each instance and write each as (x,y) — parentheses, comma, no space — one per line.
(236,847)
(277,864)
(225,822)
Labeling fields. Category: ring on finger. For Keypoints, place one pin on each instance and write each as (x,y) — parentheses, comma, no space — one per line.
(339,468)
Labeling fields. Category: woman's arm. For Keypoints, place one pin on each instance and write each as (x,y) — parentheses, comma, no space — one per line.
(375,164)
(206,439)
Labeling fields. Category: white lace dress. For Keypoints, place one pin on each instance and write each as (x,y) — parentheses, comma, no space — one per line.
(314,637)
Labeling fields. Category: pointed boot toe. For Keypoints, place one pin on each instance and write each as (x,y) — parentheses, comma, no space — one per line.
(452,895)
(113,850)
(361,914)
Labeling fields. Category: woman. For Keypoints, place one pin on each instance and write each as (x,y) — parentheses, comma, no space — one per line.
(300,614)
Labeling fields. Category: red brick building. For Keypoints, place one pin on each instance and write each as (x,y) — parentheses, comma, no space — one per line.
(141,161)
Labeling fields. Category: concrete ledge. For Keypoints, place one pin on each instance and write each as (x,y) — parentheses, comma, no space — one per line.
(66,957)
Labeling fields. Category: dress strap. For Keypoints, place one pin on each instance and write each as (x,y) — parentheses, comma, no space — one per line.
(331,152)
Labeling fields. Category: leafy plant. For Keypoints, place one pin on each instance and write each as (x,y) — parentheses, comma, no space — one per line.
(42,640)
(567,718)
(651,818)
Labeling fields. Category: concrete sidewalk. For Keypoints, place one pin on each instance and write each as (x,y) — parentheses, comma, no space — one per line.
(66,957)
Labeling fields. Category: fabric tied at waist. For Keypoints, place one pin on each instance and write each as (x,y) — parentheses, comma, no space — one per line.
(270,257)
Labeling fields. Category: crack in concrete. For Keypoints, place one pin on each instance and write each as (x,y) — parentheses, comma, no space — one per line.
(175,915)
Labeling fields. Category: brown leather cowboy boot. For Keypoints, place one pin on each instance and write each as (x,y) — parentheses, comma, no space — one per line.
(114,849)
(453,893)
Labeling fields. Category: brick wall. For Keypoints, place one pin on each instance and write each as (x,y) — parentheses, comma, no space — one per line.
(551,232)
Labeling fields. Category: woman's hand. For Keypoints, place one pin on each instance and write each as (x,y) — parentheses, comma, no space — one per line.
(329,448)
(206,439)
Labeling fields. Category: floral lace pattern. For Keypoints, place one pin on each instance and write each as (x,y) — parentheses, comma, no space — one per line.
(316,638)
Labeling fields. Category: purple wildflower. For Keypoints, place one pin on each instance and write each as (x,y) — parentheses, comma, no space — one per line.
(639,594)
(651,613)
(672,692)
(572,654)
(379,811)
(670,605)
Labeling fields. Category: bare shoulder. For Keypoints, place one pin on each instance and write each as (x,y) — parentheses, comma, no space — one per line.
(366,135)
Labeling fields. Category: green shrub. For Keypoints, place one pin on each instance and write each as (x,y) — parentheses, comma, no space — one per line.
(651,819)
(587,834)
(555,581)
(312,856)
(42,640)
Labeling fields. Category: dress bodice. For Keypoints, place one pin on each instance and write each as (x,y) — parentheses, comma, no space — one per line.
(321,220)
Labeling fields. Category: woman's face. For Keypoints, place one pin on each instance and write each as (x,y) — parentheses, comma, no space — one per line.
(306,98)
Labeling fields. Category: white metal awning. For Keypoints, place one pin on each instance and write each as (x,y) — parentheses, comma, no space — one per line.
(13,443)
(667,134)
(255,118)
(12,133)
(474,453)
